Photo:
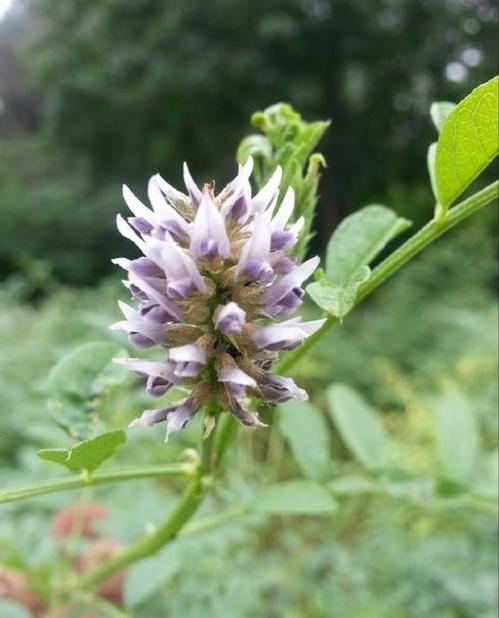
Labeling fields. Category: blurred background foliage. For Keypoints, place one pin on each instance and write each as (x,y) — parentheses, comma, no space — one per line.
(96,94)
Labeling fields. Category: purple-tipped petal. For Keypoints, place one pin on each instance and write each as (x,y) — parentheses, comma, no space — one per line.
(254,259)
(150,418)
(282,240)
(162,209)
(284,336)
(250,419)
(236,380)
(209,237)
(229,319)
(292,280)
(157,387)
(277,389)
(283,265)
(180,266)
(177,419)
(141,225)
(188,359)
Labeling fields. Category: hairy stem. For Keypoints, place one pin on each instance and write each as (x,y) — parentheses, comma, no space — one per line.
(169,529)
(426,235)
(183,511)
(97,478)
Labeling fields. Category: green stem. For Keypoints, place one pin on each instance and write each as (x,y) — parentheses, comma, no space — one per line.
(169,529)
(207,523)
(226,431)
(183,511)
(426,235)
(97,478)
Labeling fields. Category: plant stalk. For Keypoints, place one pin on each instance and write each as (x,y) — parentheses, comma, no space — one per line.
(182,512)
(97,478)
(426,235)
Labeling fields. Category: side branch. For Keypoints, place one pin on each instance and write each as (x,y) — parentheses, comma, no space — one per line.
(426,235)
(97,478)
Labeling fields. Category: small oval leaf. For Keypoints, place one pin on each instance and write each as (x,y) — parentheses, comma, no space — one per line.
(295,498)
(457,437)
(358,425)
(306,431)
(86,455)
(358,240)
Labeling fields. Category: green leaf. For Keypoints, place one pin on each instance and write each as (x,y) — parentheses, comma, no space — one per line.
(358,425)
(75,383)
(306,431)
(430,161)
(256,146)
(87,455)
(358,240)
(457,437)
(353,485)
(355,243)
(75,374)
(146,577)
(439,112)
(337,299)
(468,143)
(295,498)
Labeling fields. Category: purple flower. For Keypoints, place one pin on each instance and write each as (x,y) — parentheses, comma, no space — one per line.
(215,276)
(229,319)
(209,238)
(284,336)
(277,389)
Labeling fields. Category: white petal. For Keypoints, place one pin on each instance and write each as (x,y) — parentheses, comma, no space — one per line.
(156,296)
(309,328)
(137,207)
(285,210)
(177,264)
(189,353)
(126,231)
(171,194)
(160,205)
(263,199)
(122,263)
(257,247)
(209,225)
(129,312)
(237,376)
(191,186)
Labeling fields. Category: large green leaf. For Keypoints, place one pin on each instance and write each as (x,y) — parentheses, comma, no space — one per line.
(457,437)
(295,497)
(306,431)
(87,455)
(469,141)
(355,243)
(75,383)
(358,240)
(358,425)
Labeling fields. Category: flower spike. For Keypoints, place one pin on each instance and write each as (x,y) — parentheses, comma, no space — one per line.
(215,277)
